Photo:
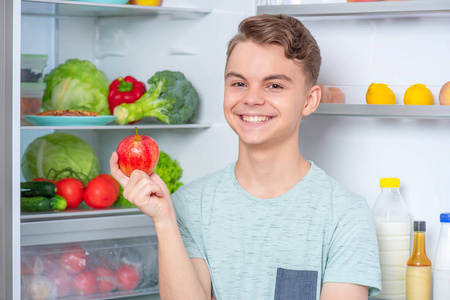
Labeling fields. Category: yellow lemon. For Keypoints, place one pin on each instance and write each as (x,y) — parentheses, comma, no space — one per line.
(418,94)
(379,93)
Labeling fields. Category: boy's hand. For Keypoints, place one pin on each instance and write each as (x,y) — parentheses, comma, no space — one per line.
(148,192)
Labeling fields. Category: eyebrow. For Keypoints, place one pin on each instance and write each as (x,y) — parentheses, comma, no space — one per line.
(268,78)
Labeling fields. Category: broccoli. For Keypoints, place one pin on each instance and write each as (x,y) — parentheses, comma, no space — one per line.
(170,172)
(171,98)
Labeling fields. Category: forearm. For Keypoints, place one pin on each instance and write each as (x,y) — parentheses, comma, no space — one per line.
(177,276)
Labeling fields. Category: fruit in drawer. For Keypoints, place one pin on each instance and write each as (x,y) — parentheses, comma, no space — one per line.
(62,280)
(105,279)
(85,283)
(418,94)
(127,277)
(37,287)
(31,265)
(137,152)
(73,259)
(379,93)
(444,94)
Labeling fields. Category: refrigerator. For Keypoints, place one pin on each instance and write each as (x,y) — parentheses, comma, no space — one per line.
(399,43)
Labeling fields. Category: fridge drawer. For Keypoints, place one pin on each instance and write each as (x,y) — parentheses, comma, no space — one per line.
(103,269)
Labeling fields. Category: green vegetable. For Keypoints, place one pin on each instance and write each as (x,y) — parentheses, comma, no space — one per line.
(59,151)
(76,85)
(170,172)
(171,98)
(58,202)
(35,204)
(37,188)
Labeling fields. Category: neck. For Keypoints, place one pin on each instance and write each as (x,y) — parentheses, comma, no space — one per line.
(269,172)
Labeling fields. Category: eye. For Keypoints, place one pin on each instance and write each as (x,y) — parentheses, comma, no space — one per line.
(274,86)
(238,84)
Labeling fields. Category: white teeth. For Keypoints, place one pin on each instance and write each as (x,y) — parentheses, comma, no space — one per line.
(255,119)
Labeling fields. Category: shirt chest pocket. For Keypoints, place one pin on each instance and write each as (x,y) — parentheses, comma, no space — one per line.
(295,285)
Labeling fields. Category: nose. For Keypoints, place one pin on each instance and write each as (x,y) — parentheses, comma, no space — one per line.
(254,96)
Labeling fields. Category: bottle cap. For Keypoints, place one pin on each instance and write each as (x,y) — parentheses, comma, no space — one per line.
(445,218)
(420,226)
(389,182)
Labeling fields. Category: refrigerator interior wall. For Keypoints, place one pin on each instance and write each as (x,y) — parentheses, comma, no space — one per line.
(358,151)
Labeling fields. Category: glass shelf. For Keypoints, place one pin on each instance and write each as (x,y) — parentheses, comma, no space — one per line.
(384,111)
(91,9)
(382,8)
(115,127)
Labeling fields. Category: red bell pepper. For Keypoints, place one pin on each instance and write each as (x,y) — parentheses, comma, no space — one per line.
(124,90)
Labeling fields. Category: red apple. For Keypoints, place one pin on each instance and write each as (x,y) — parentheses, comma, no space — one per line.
(137,152)
(73,259)
(105,278)
(128,277)
(85,283)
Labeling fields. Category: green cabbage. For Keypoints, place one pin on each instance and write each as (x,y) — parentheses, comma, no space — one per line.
(77,85)
(59,151)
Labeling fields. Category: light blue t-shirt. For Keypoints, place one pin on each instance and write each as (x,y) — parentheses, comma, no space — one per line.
(281,248)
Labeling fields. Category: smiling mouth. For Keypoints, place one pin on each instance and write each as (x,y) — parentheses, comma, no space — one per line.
(255,119)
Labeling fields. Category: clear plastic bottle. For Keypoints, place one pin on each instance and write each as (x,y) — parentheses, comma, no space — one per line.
(418,267)
(393,226)
(441,264)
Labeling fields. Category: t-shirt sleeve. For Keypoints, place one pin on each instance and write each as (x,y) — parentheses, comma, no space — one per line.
(353,254)
(185,219)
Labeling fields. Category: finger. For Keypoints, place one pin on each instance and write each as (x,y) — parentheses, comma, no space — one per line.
(141,187)
(115,170)
(164,190)
(140,180)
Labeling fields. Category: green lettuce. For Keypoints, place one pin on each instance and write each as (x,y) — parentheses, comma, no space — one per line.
(76,84)
(55,152)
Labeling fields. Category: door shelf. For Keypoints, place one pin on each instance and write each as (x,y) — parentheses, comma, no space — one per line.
(372,9)
(384,111)
(91,9)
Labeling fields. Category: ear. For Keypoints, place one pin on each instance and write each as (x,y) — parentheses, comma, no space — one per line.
(312,100)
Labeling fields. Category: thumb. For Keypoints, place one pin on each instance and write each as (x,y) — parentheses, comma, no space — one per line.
(115,170)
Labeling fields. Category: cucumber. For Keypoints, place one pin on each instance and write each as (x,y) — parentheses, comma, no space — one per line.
(37,188)
(35,204)
(58,202)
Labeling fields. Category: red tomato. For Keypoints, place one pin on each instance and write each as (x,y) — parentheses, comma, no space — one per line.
(62,281)
(100,193)
(127,277)
(85,283)
(105,278)
(70,189)
(113,181)
(73,259)
(42,179)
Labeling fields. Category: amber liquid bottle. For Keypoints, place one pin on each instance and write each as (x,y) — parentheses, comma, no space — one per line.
(418,267)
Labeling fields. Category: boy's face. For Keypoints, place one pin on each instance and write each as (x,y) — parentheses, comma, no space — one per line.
(265,94)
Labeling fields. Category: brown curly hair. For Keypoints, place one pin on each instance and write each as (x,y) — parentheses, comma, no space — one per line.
(287,32)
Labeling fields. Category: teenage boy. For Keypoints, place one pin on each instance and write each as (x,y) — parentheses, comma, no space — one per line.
(272,225)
